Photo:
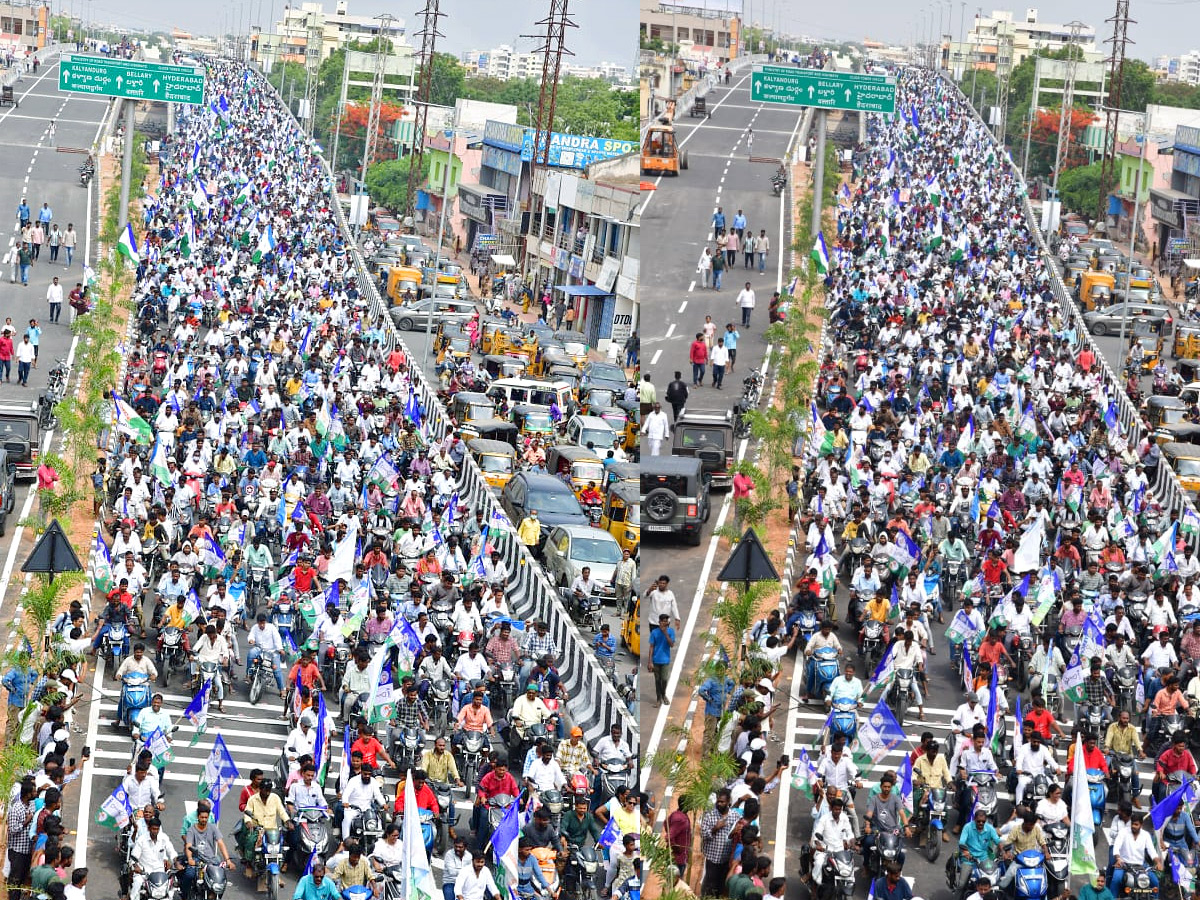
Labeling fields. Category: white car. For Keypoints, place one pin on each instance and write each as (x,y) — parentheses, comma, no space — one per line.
(571,547)
(582,430)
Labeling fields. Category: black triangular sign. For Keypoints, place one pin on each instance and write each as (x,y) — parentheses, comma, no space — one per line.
(748,562)
(53,553)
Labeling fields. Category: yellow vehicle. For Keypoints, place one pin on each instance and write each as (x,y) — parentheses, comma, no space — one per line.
(623,473)
(1095,289)
(1152,346)
(1163,413)
(490,337)
(613,416)
(454,349)
(575,346)
(498,366)
(549,357)
(622,516)
(496,460)
(1187,342)
(631,626)
(533,420)
(661,154)
(1184,459)
(403,280)
(469,407)
(580,464)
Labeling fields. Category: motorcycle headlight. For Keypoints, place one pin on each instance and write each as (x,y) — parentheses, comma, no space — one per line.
(1143,880)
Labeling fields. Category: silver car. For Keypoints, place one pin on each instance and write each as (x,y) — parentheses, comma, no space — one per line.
(1108,320)
(571,547)
(414,316)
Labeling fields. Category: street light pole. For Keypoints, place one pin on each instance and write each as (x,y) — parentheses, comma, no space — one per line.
(1133,223)
(437,259)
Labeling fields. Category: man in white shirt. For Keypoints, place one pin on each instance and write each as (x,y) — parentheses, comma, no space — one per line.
(823,639)
(141,789)
(544,773)
(745,302)
(1033,759)
(264,640)
(832,835)
(1161,653)
(661,601)
(1134,847)
(359,794)
(973,759)
(968,715)
(474,882)
(152,852)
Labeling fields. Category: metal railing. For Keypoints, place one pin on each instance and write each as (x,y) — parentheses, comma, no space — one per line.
(593,700)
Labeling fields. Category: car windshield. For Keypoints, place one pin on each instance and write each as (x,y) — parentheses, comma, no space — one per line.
(597,437)
(538,420)
(1188,467)
(586,471)
(495,464)
(595,550)
(15,428)
(701,438)
(605,372)
(601,398)
(575,348)
(562,502)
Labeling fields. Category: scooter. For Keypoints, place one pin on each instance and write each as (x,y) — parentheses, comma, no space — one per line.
(1058,858)
(173,658)
(1030,882)
(930,819)
(313,833)
(826,668)
(135,696)
(844,722)
(367,827)
(113,646)
(448,814)
(471,753)
(1098,792)
(984,786)
(900,696)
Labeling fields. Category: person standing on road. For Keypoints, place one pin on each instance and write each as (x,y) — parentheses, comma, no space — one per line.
(716,826)
(718,268)
(662,640)
(730,339)
(37,236)
(34,333)
(656,430)
(733,243)
(698,355)
(25,354)
(719,357)
(78,302)
(762,246)
(23,212)
(54,241)
(745,302)
(739,223)
(749,142)
(661,599)
(677,396)
(705,267)
(69,239)
(25,260)
(12,259)
(6,354)
(748,249)
(45,217)
(54,295)
(718,222)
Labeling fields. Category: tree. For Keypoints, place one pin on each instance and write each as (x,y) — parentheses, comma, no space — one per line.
(448,78)
(1177,94)
(1137,85)
(1043,140)
(1080,189)
(387,181)
(356,119)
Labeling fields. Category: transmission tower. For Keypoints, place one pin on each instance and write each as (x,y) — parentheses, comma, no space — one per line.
(1063,150)
(553,48)
(381,57)
(429,34)
(313,44)
(1112,110)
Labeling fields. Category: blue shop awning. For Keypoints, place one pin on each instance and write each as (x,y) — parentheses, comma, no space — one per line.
(582,290)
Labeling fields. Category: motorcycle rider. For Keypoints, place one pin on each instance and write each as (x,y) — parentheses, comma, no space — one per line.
(1033,759)
(474,716)
(1026,836)
(885,812)
(304,794)
(359,795)
(975,758)
(824,639)
(152,852)
(833,834)
(1168,701)
(264,811)
(1135,847)
(930,773)
(1122,737)
(1047,662)
(1176,759)
(212,648)
(978,844)
(264,639)
(203,845)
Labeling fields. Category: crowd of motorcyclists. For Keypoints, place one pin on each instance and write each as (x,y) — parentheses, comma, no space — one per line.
(284,525)
(969,472)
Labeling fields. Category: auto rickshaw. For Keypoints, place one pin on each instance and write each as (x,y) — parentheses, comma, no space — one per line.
(1164,413)
(1152,346)
(533,420)
(575,345)
(490,335)
(1187,342)
(632,425)
(498,366)
(582,465)
(454,349)
(1184,460)
(623,473)
(622,517)
(497,460)
(631,626)
(597,398)
(549,356)
(492,430)
(614,416)
(512,342)
(566,372)
(469,407)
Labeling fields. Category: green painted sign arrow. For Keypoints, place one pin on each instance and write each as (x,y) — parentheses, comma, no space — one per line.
(131,79)
(822,89)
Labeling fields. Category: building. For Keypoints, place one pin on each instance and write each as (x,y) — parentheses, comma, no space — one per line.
(23,27)
(1176,210)
(1155,177)
(289,39)
(585,245)
(710,30)
(1187,68)
(502,63)
(986,44)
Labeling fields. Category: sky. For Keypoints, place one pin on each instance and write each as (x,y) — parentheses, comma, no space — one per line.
(607,29)
(1156,33)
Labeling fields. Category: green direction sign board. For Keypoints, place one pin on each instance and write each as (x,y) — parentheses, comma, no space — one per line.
(826,90)
(131,79)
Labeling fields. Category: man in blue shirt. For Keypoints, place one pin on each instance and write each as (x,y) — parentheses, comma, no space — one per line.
(316,886)
(978,843)
(662,639)
(739,223)
(718,221)
(891,885)
(730,339)
(714,692)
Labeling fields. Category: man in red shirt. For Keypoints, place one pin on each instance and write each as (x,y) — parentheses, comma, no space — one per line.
(370,747)
(994,569)
(991,651)
(1177,758)
(1042,719)
(256,777)
(303,576)
(497,781)
(1093,756)
(698,354)
(426,799)
(307,670)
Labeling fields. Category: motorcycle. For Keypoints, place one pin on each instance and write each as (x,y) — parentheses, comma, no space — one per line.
(1030,882)
(837,876)
(872,644)
(493,815)
(367,827)
(614,774)
(471,753)
(844,721)
(984,786)
(1125,687)
(261,674)
(826,668)
(393,881)
(209,671)
(407,744)
(929,820)
(113,646)
(314,833)
(579,878)
(447,816)
(553,801)
(1137,884)
(268,861)
(988,869)
(900,695)
(135,696)
(211,881)
(886,849)
(173,658)
(283,617)
(1120,777)
(1058,859)
(438,700)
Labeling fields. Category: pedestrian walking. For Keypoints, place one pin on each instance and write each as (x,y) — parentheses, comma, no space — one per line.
(705,267)
(54,295)
(50,133)
(69,239)
(633,346)
(25,354)
(37,235)
(733,242)
(677,396)
(34,333)
(739,224)
(12,259)
(709,328)
(23,213)
(719,358)
(25,261)
(745,302)
(718,268)
(679,834)
(748,249)
(698,354)
(662,640)
(78,301)
(750,142)
(718,222)
(762,246)
(54,242)
(46,216)
(656,430)
(730,339)
(6,354)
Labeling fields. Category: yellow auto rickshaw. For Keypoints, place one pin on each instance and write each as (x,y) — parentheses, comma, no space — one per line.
(489,335)
(631,626)
(1164,413)
(575,344)
(403,281)
(615,417)
(1184,460)
(454,349)
(547,357)
(469,407)
(497,460)
(1152,346)
(623,473)
(533,420)
(1187,342)
(583,466)
(622,516)
(503,366)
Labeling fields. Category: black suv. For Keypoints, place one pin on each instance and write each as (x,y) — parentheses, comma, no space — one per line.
(708,437)
(675,497)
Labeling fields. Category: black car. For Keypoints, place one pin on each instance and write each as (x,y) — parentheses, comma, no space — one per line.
(554,501)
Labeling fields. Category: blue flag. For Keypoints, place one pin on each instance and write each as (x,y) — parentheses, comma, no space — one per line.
(609,835)
(1165,808)
(506,833)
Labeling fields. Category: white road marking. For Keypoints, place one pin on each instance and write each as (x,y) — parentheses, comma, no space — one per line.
(670,330)
(683,305)
(655,357)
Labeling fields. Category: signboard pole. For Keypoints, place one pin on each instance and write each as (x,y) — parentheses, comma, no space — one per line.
(126,163)
(170,118)
(818,192)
